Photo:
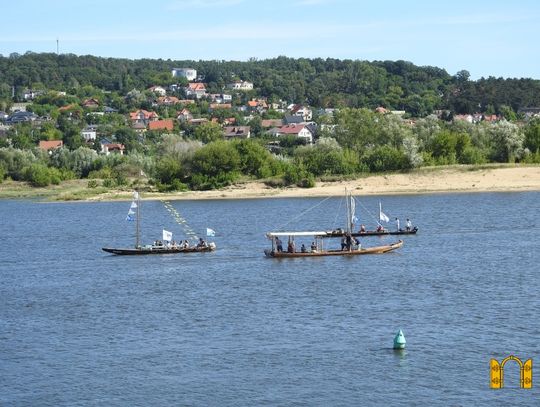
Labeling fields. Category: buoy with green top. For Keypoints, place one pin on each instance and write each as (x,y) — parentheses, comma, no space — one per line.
(399,340)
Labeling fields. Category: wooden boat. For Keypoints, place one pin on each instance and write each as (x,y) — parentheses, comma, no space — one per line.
(158,247)
(334,252)
(152,249)
(350,246)
(384,232)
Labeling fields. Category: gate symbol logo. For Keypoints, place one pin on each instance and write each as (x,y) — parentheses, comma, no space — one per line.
(497,372)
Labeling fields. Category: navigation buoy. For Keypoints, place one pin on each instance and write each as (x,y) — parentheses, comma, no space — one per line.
(399,340)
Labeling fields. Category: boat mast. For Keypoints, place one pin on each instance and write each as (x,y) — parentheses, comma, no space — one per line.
(349,216)
(138,224)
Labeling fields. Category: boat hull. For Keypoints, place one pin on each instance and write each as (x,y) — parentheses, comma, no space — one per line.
(374,233)
(368,250)
(156,250)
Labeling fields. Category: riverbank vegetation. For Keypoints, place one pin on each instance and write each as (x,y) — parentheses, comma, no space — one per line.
(417,121)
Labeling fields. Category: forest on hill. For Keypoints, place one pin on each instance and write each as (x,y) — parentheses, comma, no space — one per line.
(328,83)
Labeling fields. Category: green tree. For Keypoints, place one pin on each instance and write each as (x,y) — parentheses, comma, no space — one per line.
(208,132)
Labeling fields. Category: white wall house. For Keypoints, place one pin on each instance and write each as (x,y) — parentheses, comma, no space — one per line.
(240,85)
(89,133)
(189,73)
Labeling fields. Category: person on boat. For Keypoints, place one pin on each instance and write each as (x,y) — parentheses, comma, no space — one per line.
(349,242)
(303,248)
(290,246)
(343,243)
(185,244)
(313,247)
(397,224)
(380,228)
(279,244)
(362,228)
(202,244)
(409,225)
(357,244)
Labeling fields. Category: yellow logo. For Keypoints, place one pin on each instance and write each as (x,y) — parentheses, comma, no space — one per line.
(497,372)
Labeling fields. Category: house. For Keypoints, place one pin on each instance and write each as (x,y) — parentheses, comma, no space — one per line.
(47,145)
(159,90)
(240,85)
(184,115)
(166,124)
(257,105)
(112,148)
(189,73)
(198,122)
(19,107)
(21,117)
(196,89)
(167,101)
(108,110)
(299,130)
(529,112)
(269,123)
(215,106)
(29,94)
(232,132)
(89,133)
(288,119)
(90,103)
(67,107)
(299,110)
(143,116)
(381,110)
(139,127)
(463,117)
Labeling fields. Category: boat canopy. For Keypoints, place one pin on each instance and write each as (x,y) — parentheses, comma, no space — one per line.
(274,234)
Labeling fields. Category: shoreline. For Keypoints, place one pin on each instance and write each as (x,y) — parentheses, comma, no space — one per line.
(431,180)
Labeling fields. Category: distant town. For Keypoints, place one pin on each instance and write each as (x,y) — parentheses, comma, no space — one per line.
(183,133)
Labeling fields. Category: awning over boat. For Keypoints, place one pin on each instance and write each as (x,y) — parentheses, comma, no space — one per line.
(275,234)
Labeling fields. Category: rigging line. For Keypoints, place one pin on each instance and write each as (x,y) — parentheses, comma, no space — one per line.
(337,213)
(366,209)
(303,213)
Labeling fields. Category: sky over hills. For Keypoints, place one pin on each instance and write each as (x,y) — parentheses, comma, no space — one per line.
(487,38)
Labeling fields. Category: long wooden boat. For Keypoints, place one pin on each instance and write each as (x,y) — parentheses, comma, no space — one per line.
(158,250)
(340,233)
(353,252)
(158,247)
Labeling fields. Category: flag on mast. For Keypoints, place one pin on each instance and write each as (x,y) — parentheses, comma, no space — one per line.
(382,216)
(167,236)
(131,215)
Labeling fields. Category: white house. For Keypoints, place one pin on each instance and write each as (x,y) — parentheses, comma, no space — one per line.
(89,133)
(240,85)
(189,73)
(298,130)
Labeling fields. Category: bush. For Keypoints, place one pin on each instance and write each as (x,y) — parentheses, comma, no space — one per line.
(386,158)
(38,175)
(92,183)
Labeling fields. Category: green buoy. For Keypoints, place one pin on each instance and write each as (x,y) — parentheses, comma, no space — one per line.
(399,340)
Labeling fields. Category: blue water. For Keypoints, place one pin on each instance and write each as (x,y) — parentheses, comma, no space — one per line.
(232,328)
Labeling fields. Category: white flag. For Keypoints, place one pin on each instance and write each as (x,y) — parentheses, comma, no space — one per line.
(382,216)
(135,195)
(133,205)
(167,236)
(210,232)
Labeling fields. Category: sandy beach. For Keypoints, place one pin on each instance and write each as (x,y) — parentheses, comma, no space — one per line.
(437,180)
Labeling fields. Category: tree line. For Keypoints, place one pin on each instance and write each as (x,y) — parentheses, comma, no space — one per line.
(396,85)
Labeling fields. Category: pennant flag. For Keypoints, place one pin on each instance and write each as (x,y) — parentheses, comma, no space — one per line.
(167,236)
(210,232)
(382,216)
(133,205)
(131,215)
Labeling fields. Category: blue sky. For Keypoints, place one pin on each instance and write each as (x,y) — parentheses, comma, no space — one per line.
(487,38)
